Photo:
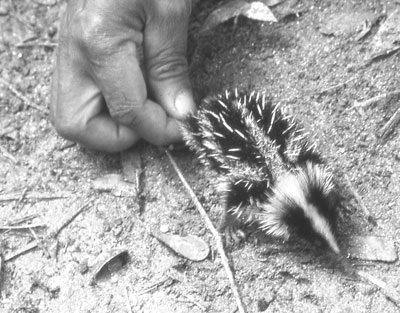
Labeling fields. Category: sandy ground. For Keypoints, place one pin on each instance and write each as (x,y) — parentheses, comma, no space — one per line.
(310,62)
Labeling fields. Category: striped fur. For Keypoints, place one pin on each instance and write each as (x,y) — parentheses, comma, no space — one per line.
(269,172)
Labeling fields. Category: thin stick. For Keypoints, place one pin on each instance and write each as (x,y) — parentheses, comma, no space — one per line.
(155,286)
(373,100)
(329,89)
(27,248)
(34,245)
(22,219)
(387,290)
(16,196)
(390,125)
(71,219)
(127,301)
(7,155)
(16,205)
(24,99)
(37,44)
(1,272)
(360,202)
(214,232)
(188,299)
(22,227)
(40,244)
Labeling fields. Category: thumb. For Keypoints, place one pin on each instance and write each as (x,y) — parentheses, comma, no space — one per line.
(165,44)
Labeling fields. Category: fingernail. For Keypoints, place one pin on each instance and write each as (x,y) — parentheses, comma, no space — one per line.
(184,103)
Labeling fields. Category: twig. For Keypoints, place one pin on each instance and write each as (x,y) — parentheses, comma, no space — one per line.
(51,4)
(1,271)
(365,31)
(40,243)
(27,248)
(19,18)
(127,301)
(191,301)
(156,285)
(37,44)
(373,100)
(32,196)
(7,155)
(382,55)
(387,290)
(22,219)
(368,24)
(22,227)
(214,232)
(71,219)
(331,88)
(18,203)
(390,125)
(24,99)
(360,202)
(68,144)
(34,245)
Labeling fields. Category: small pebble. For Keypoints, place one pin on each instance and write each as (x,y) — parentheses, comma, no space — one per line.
(4,10)
(50,271)
(262,305)
(164,228)
(264,302)
(51,31)
(83,267)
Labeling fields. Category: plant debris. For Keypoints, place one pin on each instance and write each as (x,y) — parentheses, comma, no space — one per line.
(387,39)
(376,99)
(218,240)
(112,262)
(115,184)
(33,195)
(347,23)
(389,291)
(233,9)
(389,127)
(272,3)
(22,227)
(1,271)
(372,248)
(190,247)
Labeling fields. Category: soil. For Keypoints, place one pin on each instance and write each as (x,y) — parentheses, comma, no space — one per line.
(310,62)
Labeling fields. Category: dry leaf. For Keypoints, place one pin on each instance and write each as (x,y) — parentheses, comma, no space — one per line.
(190,247)
(255,10)
(260,12)
(388,36)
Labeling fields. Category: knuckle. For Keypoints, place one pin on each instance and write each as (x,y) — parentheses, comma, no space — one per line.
(125,114)
(168,66)
(86,28)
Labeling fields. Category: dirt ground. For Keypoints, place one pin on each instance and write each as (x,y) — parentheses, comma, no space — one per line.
(310,62)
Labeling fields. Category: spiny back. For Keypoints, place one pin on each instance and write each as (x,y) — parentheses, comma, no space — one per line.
(235,133)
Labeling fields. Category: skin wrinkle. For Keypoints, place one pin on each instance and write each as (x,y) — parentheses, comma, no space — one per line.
(169,55)
(167,62)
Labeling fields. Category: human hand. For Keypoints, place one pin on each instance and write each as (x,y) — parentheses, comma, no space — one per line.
(99,91)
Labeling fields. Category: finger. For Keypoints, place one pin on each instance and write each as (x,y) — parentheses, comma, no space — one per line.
(118,74)
(165,44)
(103,133)
(77,110)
